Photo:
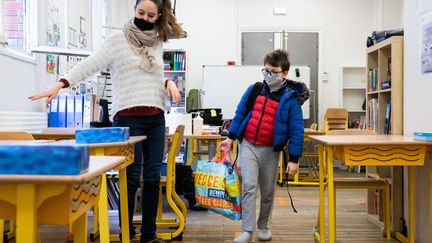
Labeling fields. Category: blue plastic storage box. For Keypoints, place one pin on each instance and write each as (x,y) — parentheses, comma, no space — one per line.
(102,135)
(44,159)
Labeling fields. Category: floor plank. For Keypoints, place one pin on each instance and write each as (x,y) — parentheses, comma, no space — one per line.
(287,226)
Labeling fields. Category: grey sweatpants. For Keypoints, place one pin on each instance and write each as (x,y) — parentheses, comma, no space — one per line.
(258,165)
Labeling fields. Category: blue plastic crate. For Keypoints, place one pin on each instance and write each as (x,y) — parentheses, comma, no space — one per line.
(44,159)
(102,135)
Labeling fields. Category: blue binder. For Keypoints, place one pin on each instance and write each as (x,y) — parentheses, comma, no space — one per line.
(53,114)
(79,107)
(62,111)
(70,111)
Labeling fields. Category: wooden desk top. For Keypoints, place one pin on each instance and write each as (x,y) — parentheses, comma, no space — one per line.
(368,140)
(132,140)
(309,132)
(56,131)
(97,166)
(205,137)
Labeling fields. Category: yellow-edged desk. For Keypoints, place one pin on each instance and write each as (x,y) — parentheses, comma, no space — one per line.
(125,149)
(50,199)
(364,150)
(309,152)
(54,133)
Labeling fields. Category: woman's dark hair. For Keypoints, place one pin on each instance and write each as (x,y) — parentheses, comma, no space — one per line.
(278,58)
(166,25)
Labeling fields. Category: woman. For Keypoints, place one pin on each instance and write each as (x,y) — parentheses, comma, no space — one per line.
(135,58)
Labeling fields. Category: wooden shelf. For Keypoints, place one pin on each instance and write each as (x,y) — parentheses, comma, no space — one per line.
(355,88)
(384,56)
(379,91)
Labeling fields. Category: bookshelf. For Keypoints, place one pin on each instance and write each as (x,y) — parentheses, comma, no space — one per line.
(384,115)
(175,69)
(353,92)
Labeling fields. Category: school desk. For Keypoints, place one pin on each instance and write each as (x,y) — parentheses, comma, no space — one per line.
(50,199)
(365,150)
(53,133)
(101,211)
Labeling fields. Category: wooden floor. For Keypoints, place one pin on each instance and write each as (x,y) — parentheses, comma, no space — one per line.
(286,226)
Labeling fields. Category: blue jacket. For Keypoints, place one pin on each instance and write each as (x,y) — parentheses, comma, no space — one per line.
(288,125)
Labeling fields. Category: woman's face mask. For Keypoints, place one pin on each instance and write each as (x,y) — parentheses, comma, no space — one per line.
(143,25)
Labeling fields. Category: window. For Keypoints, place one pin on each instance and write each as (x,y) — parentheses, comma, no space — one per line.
(13,23)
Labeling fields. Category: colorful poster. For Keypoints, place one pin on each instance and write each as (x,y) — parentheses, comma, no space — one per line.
(54,23)
(426,45)
(51,64)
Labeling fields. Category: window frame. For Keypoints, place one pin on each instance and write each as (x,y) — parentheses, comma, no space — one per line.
(24,53)
(1,17)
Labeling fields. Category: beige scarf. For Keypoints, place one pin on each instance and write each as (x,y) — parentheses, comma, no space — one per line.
(142,43)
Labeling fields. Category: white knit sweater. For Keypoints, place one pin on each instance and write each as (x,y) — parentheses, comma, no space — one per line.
(132,86)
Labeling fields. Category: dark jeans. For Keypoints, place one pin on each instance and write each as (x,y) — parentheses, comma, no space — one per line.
(148,159)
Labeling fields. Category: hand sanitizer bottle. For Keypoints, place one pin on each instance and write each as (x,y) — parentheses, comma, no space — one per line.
(198,125)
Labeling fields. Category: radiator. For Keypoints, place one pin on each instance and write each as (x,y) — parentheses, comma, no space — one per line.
(23,121)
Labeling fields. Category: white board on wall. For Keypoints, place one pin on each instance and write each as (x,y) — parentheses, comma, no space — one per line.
(223,85)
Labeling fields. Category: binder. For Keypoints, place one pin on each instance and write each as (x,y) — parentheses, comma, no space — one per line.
(70,111)
(62,111)
(53,114)
(87,110)
(79,107)
(91,109)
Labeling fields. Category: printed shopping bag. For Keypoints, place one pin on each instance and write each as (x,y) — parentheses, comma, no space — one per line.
(218,188)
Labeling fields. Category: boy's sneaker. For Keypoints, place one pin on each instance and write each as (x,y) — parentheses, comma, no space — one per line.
(244,237)
(264,235)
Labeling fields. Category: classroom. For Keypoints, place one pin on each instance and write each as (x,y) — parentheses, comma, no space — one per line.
(215,121)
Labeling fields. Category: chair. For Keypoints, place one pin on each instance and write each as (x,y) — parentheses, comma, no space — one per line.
(11,135)
(174,200)
(335,119)
(364,183)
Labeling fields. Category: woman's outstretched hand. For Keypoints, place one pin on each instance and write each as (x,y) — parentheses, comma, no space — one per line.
(49,94)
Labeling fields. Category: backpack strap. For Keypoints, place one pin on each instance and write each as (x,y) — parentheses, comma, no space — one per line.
(256,90)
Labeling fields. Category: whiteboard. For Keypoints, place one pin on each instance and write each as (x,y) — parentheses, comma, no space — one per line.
(223,85)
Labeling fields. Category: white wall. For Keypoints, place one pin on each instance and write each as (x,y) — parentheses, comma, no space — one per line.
(18,81)
(214,33)
(417,112)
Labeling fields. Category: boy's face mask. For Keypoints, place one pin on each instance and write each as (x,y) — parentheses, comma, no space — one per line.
(273,80)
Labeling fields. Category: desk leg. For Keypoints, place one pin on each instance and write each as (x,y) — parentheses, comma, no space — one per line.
(191,149)
(411,209)
(103,211)
(26,214)
(331,196)
(80,229)
(2,228)
(321,210)
(124,216)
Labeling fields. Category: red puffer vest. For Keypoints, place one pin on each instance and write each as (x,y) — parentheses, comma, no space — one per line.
(260,128)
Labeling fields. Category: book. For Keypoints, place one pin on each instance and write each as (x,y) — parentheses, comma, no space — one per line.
(423,136)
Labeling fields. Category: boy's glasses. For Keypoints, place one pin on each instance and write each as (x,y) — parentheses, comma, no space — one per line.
(266,72)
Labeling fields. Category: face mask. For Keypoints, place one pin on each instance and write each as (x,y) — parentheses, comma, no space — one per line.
(143,25)
(274,83)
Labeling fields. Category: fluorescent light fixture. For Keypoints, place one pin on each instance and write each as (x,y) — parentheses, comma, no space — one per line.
(279,11)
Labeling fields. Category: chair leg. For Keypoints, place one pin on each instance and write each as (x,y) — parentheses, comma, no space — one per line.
(387,211)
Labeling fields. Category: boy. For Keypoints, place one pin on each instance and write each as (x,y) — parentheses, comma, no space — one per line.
(265,124)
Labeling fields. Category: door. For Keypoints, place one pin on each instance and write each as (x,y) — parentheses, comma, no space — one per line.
(255,45)
(302,48)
